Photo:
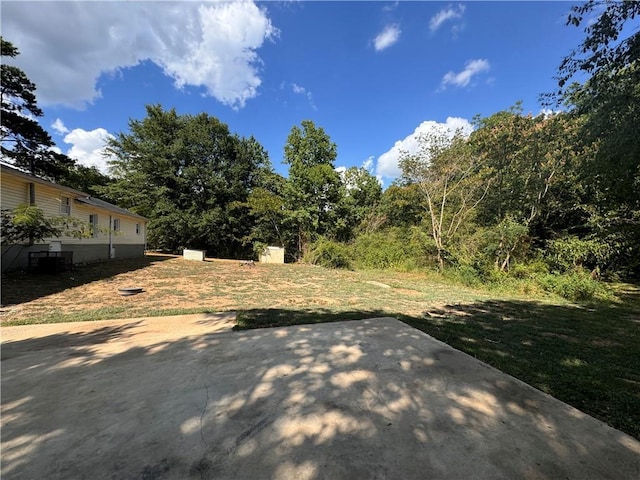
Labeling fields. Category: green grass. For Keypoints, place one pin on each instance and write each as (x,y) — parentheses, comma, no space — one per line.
(105,313)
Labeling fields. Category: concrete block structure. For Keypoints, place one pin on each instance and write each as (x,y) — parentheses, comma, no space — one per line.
(272,255)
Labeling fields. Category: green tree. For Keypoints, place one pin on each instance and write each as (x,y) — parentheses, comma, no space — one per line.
(361,193)
(532,161)
(400,206)
(450,179)
(610,97)
(266,205)
(313,188)
(27,223)
(191,177)
(23,141)
(609,102)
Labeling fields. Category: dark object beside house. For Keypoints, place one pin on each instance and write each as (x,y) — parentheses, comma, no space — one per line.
(50,262)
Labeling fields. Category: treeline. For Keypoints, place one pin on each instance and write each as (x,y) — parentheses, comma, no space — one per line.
(553,199)
(203,187)
(521,194)
(523,197)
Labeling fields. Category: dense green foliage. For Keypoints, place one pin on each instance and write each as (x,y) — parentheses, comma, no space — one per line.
(547,202)
(190,177)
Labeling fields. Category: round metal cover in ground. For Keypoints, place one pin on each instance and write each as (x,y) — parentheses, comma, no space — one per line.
(130,291)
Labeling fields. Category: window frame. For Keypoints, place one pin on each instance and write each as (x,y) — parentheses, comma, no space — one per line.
(65,205)
(93,224)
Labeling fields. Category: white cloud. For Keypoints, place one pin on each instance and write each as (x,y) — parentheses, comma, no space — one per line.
(549,112)
(66,46)
(444,15)
(387,165)
(300,90)
(390,7)
(463,78)
(88,147)
(368,164)
(386,38)
(59,127)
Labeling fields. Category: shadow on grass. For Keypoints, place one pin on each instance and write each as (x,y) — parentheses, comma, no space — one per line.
(350,400)
(21,287)
(586,356)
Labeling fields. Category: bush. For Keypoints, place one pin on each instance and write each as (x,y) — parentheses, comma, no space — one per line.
(565,254)
(329,254)
(575,286)
(392,249)
(465,275)
(529,270)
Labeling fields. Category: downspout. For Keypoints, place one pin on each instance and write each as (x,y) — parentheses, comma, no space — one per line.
(110,238)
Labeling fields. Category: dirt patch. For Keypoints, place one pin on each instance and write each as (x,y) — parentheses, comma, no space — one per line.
(378,284)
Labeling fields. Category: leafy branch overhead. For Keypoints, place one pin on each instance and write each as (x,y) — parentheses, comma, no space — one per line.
(27,224)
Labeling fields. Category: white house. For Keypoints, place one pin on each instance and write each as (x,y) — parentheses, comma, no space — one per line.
(117,233)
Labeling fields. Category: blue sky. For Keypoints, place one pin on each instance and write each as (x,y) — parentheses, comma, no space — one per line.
(372,74)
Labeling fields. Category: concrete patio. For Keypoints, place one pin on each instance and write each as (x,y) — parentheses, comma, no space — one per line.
(185,397)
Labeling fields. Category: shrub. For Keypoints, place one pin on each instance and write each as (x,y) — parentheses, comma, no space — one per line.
(577,285)
(465,274)
(395,248)
(529,270)
(565,254)
(329,254)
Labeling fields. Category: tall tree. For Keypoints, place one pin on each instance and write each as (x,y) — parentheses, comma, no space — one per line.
(610,97)
(361,193)
(313,187)
(23,140)
(609,100)
(449,177)
(191,177)
(529,158)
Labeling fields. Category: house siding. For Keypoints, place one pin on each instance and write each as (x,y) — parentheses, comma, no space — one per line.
(14,192)
(126,243)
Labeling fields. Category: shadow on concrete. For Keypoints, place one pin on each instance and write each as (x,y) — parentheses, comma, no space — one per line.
(282,317)
(73,341)
(363,399)
(20,287)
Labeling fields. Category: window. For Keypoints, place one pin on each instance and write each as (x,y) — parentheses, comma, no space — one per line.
(93,221)
(116,224)
(137,229)
(65,205)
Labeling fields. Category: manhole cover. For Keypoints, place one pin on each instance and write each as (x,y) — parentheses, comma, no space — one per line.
(130,291)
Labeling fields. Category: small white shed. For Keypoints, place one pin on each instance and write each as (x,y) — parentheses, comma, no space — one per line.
(272,255)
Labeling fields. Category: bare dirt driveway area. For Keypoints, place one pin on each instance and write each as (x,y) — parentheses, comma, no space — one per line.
(186,397)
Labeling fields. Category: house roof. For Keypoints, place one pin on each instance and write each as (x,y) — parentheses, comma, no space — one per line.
(78,196)
(96,202)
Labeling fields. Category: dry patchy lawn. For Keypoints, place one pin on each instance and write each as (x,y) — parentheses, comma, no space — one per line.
(172,285)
